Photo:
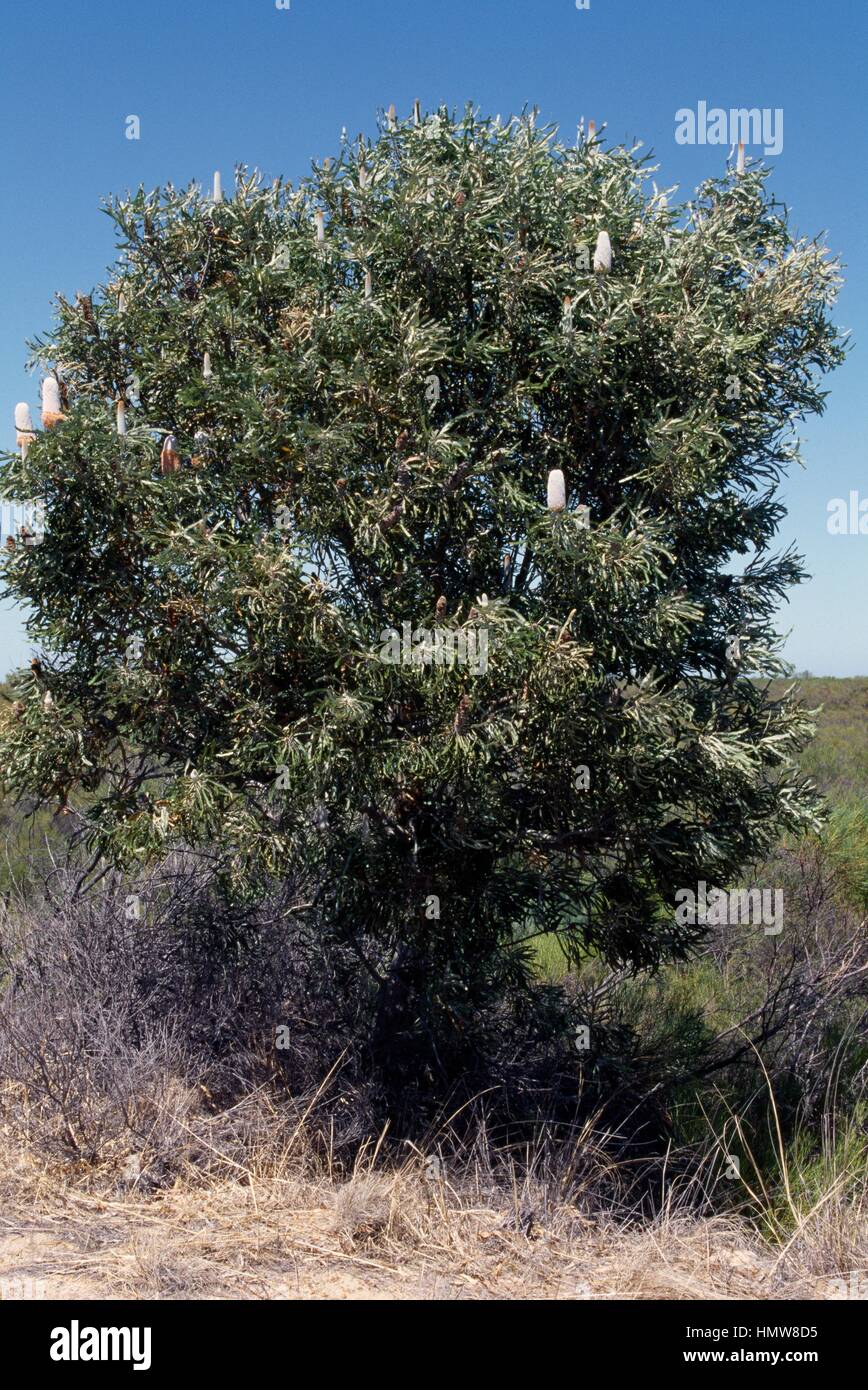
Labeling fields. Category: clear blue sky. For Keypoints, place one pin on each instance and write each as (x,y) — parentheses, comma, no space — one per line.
(215,82)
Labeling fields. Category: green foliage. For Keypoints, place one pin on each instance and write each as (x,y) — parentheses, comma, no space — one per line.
(358,460)
(837,761)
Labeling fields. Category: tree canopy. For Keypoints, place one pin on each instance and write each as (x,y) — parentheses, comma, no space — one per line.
(346,406)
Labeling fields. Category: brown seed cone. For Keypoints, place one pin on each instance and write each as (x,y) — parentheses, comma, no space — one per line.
(170,460)
(461,715)
(393,517)
(457,478)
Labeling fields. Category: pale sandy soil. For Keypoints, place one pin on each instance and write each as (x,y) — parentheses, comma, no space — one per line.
(375,1237)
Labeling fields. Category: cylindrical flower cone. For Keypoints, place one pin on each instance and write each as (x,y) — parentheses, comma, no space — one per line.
(51,411)
(121,418)
(603,254)
(200,444)
(217,191)
(739,159)
(557,491)
(319,219)
(24,431)
(206,367)
(369,285)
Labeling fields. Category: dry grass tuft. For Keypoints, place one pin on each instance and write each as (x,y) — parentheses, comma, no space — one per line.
(389,1233)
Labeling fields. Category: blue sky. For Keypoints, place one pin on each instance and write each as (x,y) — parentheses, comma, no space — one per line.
(215,82)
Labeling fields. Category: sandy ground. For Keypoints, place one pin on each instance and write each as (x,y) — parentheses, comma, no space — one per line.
(372,1238)
(93,1249)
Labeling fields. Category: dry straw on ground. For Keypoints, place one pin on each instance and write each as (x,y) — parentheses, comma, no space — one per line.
(378,1234)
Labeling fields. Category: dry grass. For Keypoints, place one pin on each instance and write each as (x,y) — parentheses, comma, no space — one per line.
(144,1157)
(405,1234)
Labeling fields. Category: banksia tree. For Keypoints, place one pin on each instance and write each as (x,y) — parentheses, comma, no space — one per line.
(363,403)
